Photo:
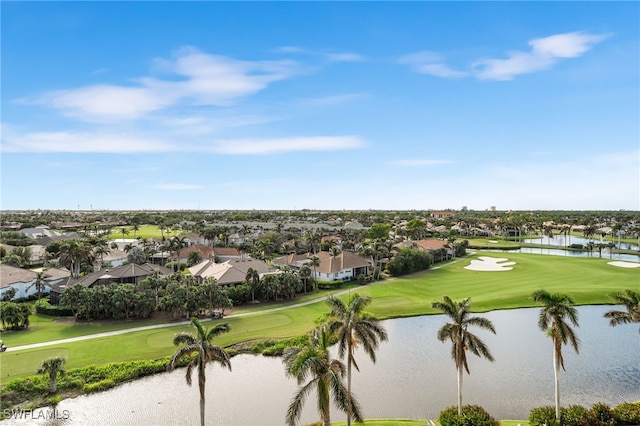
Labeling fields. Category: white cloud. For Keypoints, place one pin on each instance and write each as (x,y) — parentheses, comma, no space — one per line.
(426,62)
(344,57)
(420,162)
(337,99)
(194,77)
(272,146)
(178,186)
(81,142)
(545,52)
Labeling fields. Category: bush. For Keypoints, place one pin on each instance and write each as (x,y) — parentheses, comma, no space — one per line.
(543,415)
(99,386)
(627,413)
(43,307)
(574,415)
(601,415)
(330,284)
(472,415)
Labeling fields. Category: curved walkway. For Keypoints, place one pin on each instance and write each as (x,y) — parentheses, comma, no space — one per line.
(173,324)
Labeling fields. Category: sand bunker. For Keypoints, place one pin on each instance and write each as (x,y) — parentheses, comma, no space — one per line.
(492,264)
(624,264)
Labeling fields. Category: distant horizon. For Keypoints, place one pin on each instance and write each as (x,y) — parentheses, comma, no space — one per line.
(320,106)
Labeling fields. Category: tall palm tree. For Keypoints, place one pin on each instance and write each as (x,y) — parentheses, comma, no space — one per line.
(354,327)
(253,278)
(40,281)
(52,367)
(313,361)
(200,345)
(557,308)
(631,300)
(124,232)
(314,262)
(461,339)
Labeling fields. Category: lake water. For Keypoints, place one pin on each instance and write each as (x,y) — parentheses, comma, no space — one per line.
(414,377)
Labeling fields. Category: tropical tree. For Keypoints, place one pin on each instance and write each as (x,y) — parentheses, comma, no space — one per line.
(176,244)
(461,338)
(137,256)
(194,258)
(74,254)
(631,300)
(304,273)
(314,362)
(253,278)
(354,327)
(314,262)
(557,308)
(52,367)
(124,232)
(40,282)
(201,352)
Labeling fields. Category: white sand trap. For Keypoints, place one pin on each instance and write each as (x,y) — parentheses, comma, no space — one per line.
(493,241)
(493,264)
(624,264)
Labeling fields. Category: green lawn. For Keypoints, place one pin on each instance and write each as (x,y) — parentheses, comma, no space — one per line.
(587,280)
(145,231)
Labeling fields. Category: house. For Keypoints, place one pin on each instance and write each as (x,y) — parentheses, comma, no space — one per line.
(192,238)
(220,254)
(231,272)
(442,214)
(23,280)
(126,274)
(439,249)
(345,266)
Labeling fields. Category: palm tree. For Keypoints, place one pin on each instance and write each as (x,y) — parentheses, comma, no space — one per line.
(304,273)
(124,231)
(314,262)
(205,352)
(53,367)
(461,339)
(40,281)
(354,327)
(313,361)
(631,300)
(557,308)
(253,278)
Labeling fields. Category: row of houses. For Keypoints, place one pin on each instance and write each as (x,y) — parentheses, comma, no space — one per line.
(226,265)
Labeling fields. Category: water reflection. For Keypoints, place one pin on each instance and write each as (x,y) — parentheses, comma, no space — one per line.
(413,378)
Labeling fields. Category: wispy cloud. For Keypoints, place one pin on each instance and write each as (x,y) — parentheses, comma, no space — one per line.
(344,57)
(122,143)
(192,77)
(337,99)
(178,186)
(273,146)
(81,142)
(544,53)
(432,63)
(420,162)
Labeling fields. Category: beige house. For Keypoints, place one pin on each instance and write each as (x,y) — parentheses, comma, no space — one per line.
(345,266)
(231,272)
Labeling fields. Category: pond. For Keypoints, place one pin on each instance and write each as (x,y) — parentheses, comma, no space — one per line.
(414,377)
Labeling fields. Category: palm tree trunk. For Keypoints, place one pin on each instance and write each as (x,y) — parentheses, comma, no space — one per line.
(349,362)
(201,386)
(460,390)
(556,374)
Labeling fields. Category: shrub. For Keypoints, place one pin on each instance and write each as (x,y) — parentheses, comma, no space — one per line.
(543,415)
(574,415)
(601,415)
(627,413)
(43,307)
(99,386)
(472,415)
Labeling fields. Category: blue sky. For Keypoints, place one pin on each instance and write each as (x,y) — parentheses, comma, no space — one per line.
(320,105)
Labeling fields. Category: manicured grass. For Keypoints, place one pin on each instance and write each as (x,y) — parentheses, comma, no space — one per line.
(587,280)
(145,231)
(493,242)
